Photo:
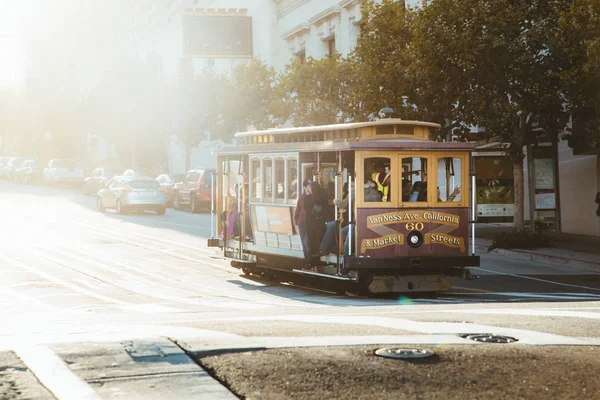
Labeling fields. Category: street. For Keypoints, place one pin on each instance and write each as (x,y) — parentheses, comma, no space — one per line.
(116,304)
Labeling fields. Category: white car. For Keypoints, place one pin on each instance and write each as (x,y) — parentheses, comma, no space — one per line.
(63,171)
(3,164)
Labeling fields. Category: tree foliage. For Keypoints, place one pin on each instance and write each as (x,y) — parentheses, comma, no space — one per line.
(317,92)
(252,101)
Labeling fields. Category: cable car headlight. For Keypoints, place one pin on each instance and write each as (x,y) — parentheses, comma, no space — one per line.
(415,239)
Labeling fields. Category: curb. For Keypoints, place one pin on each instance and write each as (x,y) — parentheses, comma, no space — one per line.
(529,255)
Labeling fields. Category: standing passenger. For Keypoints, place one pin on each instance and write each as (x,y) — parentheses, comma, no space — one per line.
(300,219)
(315,216)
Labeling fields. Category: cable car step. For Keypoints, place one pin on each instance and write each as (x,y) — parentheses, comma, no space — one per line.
(313,273)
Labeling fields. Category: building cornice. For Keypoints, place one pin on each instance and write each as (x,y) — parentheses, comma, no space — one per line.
(286,9)
(335,10)
(349,3)
(295,31)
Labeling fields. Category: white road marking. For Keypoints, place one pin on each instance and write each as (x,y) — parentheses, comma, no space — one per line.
(54,374)
(61,282)
(88,225)
(548,296)
(429,328)
(537,279)
(533,312)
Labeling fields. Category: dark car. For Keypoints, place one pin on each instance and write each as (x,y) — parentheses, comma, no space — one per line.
(167,184)
(28,172)
(195,190)
(93,183)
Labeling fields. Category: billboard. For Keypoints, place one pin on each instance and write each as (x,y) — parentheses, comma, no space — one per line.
(495,186)
(215,36)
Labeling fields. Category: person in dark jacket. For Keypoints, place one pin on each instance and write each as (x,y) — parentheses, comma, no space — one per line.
(315,215)
(300,219)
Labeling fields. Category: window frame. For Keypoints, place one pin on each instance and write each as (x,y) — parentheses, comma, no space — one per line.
(281,158)
(464,198)
(255,195)
(288,184)
(418,204)
(264,198)
(360,158)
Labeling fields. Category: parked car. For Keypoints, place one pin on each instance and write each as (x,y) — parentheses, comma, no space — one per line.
(167,184)
(130,173)
(124,194)
(93,183)
(11,167)
(63,171)
(194,190)
(28,172)
(3,162)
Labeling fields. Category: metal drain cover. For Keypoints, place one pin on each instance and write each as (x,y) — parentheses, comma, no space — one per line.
(403,354)
(491,338)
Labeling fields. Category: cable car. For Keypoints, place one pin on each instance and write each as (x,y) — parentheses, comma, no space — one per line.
(407,219)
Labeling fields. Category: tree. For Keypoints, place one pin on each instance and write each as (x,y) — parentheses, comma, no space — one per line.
(381,60)
(496,59)
(317,92)
(252,99)
(578,39)
(198,102)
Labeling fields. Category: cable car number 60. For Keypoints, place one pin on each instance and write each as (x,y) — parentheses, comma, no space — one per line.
(411,226)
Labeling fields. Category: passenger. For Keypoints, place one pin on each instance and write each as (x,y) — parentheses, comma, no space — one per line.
(238,220)
(300,219)
(383,184)
(423,194)
(371,193)
(406,190)
(329,241)
(315,206)
(228,218)
(450,198)
(416,190)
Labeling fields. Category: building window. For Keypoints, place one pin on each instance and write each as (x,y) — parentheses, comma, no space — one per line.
(331,47)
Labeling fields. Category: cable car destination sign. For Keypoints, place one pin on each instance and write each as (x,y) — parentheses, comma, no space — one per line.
(412,220)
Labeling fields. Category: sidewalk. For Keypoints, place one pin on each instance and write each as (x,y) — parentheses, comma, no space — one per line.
(570,250)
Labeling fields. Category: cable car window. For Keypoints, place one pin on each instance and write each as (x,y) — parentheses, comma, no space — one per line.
(292,181)
(414,179)
(255,187)
(279,179)
(328,181)
(449,180)
(267,179)
(378,179)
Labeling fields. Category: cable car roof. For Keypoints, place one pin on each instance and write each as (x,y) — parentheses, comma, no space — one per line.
(336,127)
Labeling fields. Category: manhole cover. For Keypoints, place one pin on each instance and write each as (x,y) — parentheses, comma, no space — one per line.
(491,338)
(403,354)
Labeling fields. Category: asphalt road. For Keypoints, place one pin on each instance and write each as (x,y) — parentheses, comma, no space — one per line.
(98,305)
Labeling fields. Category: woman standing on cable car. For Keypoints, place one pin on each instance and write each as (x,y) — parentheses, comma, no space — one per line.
(300,218)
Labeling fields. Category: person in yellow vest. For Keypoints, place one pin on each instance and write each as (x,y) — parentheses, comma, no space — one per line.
(381,176)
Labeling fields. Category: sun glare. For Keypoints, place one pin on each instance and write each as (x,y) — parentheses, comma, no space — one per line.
(11,61)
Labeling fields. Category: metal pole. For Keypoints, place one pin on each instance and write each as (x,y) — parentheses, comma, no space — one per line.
(473,190)
(213,227)
(226,206)
(557,213)
(239,213)
(531,187)
(350,227)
